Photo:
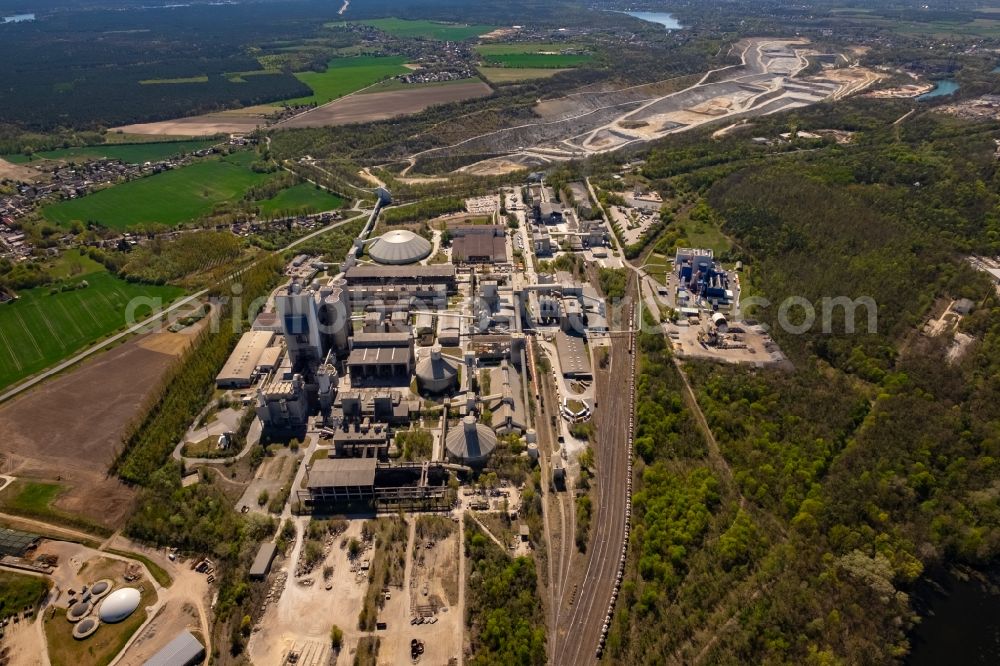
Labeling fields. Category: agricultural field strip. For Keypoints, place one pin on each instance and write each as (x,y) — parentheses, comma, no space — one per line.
(72,319)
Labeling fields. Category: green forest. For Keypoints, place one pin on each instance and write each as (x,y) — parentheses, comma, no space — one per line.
(835,486)
(504,612)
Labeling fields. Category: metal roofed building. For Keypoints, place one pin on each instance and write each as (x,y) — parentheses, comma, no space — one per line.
(480,248)
(341,479)
(240,368)
(262,562)
(356,275)
(470,443)
(574,361)
(399,246)
(269,359)
(183,650)
(17,543)
(437,373)
(381,355)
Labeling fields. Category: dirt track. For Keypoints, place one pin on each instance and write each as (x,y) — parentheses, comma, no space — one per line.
(382,105)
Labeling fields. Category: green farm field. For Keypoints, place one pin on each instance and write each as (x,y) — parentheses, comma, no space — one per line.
(533,55)
(301,199)
(166,198)
(133,153)
(443,32)
(42,328)
(346,75)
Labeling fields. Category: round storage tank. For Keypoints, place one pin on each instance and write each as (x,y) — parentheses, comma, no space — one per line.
(119,605)
(399,246)
(100,588)
(437,373)
(470,443)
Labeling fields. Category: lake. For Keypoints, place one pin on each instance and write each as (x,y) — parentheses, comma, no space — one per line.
(18,18)
(663,18)
(959,624)
(941,88)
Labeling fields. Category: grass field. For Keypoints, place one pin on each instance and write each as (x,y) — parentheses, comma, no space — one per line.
(18,591)
(167,198)
(444,32)
(301,199)
(346,75)
(133,153)
(30,498)
(539,60)
(41,328)
(704,234)
(533,55)
(501,75)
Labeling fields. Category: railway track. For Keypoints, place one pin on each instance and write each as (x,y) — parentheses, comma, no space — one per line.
(580,633)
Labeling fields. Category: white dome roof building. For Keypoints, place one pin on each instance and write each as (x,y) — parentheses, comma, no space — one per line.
(471,443)
(399,246)
(119,605)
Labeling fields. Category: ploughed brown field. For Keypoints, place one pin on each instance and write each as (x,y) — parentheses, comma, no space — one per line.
(363,108)
(68,429)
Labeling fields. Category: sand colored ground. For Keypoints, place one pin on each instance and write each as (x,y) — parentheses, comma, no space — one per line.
(361,108)
(515,74)
(10,171)
(68,429)
(206,125)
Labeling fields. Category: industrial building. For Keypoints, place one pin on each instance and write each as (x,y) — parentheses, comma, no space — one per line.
(16,543)
(478,244)
(262,561)
(381,356)
(574,360)
(361,440)
(470,443)
(241,368)
(399,247)
(449,330)
(341,480)
(333,481)
(283,404)
(437,373)
(184,650)
(548,213)
(380,406)
(700,276)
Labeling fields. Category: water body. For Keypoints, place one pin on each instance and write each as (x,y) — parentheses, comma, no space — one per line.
(18,18)
(663,18)
(995,70)
(941,88)
(959,624)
